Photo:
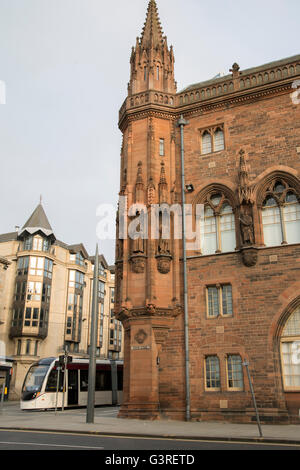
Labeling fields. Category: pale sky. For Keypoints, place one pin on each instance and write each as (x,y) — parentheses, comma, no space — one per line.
(65,64)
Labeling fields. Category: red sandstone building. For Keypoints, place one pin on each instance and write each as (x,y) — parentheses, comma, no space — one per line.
(241,135)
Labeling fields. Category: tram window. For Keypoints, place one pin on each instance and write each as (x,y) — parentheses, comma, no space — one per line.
(52,381)
(103,380)
(84,377)
(120,380)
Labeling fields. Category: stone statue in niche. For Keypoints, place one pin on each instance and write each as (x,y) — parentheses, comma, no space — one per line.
(247,229)
(163,247)
(163,255)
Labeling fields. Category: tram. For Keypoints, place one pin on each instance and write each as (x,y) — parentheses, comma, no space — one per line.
(45,387)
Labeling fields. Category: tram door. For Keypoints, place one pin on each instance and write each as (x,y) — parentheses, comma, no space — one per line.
(72,387)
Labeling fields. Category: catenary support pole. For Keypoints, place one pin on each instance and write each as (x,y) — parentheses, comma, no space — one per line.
(181,123)
(93,344)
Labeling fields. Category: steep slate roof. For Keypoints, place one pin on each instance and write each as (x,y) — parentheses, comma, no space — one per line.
(7,237)
(101,259)
(77,249)
(38,221)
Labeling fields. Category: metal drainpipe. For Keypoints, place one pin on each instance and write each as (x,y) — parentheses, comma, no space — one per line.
(181,123)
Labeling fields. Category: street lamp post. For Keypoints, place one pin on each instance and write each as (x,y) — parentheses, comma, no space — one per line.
(181,123)
(93,343)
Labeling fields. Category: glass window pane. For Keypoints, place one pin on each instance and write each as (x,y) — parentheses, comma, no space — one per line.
(292,326)
(206,143)
(271,226)
(291,364)
(235,371)
(291,214)
(227,229)
(218,140)
(213,302)
(210,234)
(212,369)
(227,300)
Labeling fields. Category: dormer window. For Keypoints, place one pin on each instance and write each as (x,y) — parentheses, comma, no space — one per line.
(77,258)
(36,243)
(28,243)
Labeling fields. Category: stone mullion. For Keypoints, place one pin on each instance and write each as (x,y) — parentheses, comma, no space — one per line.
(283,229)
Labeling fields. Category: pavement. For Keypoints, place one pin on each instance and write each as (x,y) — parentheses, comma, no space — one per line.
(107,423)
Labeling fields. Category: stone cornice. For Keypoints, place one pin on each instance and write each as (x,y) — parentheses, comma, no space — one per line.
(213,104)
(241,87)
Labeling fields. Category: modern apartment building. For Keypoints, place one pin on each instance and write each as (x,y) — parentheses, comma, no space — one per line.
(45,300)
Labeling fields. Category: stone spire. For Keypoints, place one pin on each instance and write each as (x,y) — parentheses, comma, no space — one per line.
(152,61)
(152,35)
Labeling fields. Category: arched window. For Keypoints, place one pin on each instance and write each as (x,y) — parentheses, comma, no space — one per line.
(218,140)
(290,352)
(281,215)
(219,226)
(206,143)
(212,140)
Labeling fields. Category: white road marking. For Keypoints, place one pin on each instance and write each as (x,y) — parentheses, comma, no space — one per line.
(49,445)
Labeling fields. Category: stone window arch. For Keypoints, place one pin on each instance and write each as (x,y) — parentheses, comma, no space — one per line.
(290,351)
(280,212)
(212,140)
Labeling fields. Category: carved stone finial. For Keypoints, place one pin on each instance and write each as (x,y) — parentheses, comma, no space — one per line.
(244,186)
(139,185)
(235,70)
(163,185)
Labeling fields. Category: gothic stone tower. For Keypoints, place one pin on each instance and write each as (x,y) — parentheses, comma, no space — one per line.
(241,163)
(148,292)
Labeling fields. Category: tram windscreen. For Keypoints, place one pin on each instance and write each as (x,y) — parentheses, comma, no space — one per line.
(33,381)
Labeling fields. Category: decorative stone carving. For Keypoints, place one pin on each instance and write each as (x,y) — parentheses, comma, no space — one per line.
(139,185)
(140,336)
(246,223)
(235,70)
(249,256)
(138,264)
(151,192)
(164,263)
(163,185)
(119,270)
(245,193)
(244,188)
